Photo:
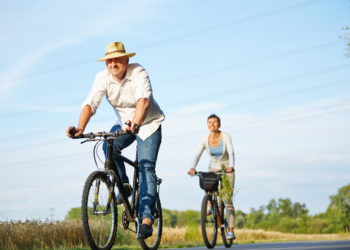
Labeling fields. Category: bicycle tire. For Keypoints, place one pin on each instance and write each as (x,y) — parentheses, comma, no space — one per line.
(152,243)
(227,243)
(209,221)
(100,228)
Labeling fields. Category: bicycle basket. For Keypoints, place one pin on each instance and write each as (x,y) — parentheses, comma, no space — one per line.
(209,181)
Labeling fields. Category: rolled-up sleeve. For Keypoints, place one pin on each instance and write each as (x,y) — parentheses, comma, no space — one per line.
(97,92)
(143,87)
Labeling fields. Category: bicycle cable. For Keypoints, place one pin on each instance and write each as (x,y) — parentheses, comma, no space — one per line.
(96,155)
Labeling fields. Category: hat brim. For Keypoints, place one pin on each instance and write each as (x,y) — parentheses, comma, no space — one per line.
(116,54)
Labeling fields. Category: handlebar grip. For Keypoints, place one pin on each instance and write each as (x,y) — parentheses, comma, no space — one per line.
(72,131)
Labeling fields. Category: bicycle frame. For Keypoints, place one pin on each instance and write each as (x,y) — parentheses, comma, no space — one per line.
(110,166)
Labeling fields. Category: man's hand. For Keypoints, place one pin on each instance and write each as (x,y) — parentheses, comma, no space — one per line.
(76,132)
(132,127)
(229,170)
(192,171)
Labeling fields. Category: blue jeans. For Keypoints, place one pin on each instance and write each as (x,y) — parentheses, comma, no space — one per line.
(147,152)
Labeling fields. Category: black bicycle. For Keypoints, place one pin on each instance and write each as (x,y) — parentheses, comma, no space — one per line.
(99,207)
(213,210)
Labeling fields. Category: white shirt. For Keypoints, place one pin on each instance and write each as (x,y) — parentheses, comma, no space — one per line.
(124,96)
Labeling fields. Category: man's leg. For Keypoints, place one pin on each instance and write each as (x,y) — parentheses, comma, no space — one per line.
(147,152)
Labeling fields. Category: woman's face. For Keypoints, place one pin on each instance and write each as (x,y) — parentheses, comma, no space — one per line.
(213,124)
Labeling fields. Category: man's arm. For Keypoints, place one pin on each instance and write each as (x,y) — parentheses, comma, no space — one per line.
(140,114)
(85,116)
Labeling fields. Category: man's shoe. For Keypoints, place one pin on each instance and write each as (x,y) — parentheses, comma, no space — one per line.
(145,231)
(230,236)
(128,190)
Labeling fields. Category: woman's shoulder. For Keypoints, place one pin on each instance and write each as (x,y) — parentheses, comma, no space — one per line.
(225,135)
(204,139)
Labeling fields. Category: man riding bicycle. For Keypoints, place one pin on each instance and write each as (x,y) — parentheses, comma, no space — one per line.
(128,89)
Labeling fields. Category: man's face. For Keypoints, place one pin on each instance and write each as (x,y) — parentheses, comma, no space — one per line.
(118,66)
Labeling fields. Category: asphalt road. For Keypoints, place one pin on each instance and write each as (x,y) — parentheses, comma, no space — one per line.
(300,245)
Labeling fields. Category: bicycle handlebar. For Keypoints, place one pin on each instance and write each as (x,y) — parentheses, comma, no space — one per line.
(219,173)
(98,134)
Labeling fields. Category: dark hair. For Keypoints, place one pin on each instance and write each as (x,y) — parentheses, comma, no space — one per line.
(214,116)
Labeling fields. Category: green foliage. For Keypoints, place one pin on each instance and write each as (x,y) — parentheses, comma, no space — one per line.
(240,219)
(338,212)
(346,36)
(278,215)
(74,214)
(225,188)
(285,216)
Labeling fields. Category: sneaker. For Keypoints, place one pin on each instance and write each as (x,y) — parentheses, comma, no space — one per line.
(128,190)
(230,236)
(145,231)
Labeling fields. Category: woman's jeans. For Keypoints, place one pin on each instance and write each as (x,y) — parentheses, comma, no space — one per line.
(147,152)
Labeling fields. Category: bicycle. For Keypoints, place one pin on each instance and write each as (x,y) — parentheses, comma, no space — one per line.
(99,206)
(212,210)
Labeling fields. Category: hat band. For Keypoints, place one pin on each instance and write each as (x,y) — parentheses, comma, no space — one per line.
(120,51)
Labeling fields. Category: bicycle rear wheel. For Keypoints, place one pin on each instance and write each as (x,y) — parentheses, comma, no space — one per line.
(99,216)
(209,221)
(224,228)
(152,243)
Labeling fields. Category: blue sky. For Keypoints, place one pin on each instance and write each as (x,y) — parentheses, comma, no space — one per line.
(276,72)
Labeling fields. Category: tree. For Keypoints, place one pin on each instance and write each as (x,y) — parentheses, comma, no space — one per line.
(285,206)
(338,211)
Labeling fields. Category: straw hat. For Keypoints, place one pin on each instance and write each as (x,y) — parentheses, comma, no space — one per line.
(115,49)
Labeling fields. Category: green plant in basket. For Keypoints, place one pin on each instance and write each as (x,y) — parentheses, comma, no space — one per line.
(225,189)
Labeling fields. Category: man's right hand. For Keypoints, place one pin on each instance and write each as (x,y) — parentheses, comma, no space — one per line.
(76,132)
(192,171)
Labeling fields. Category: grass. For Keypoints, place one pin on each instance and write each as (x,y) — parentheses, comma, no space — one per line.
(69,234)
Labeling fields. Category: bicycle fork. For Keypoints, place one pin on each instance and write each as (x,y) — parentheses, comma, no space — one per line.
(110,196)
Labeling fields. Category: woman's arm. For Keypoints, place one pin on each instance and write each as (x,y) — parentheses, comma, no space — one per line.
(231,155)
(196,159)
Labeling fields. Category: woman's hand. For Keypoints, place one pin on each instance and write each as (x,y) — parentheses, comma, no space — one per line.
(229,170)
(192,171)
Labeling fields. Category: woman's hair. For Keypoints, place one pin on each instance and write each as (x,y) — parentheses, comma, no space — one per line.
(214,116)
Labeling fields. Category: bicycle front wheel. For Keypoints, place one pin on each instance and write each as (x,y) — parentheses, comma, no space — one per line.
(152,243)
(99,211)
(209,221)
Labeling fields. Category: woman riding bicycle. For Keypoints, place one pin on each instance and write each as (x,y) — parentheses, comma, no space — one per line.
(218,144)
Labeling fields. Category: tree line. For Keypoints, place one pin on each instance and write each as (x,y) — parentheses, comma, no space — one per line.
(281,215)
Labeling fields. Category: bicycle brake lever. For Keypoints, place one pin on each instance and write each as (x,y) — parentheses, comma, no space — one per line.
(84,141)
